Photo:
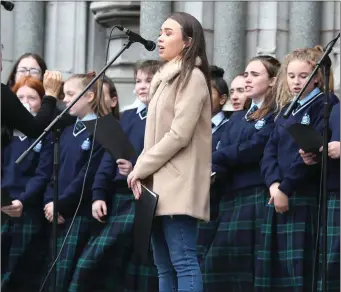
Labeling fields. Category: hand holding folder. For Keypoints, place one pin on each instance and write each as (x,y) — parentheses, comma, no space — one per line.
(145,209)
(111,136)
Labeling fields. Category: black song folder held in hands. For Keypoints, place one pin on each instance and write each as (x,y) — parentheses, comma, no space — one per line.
(145,208)
(306,137)
(111,136)
(6,199)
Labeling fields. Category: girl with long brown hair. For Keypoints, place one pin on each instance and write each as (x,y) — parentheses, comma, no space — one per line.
(230,260)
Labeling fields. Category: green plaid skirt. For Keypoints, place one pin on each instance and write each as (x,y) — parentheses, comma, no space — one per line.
(285,259)
(106,263)
(22,251)
(73,247)
(230,262)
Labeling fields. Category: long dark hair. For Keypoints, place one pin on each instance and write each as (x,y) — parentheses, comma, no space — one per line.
(218,81)
(191,28)
(40,61)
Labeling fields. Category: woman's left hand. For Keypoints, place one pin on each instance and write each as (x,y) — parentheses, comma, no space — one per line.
(135,184)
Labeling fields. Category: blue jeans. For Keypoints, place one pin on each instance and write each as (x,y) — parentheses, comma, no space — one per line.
(175,255)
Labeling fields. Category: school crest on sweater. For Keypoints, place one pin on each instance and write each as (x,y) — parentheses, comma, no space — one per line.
(305,119)
(260,124)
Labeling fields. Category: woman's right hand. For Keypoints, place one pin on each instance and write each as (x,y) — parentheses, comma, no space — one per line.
(52,83)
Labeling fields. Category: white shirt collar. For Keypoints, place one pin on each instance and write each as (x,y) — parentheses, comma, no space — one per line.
(140,106)
(309,96)
(88,117)
(259,105)
(218,118)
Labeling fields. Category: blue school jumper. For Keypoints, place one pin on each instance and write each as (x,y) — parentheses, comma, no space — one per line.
(333,223)
(289,238)
(75,149)
(230,260)
(207,230)
(21,236)
(109,252)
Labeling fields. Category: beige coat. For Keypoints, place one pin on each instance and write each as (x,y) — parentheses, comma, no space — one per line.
(176,160)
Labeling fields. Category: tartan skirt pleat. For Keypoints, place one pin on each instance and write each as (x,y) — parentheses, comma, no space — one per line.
(103,264)
(21,251)
(72,249)
(208,230)
(142,277)
(333,244)
(285,259)
(230,261)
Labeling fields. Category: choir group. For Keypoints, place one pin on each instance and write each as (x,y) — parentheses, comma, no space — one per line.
(264,197)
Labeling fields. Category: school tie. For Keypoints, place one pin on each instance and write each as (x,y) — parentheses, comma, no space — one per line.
(213,125)
(78,127)
(251,111)
(143,113)
(298,106)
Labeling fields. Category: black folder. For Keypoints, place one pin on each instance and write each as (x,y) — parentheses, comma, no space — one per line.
(307,138)
(111,136)
(6,199)
(145,209)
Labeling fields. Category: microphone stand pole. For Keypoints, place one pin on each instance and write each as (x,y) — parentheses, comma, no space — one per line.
(326,113)
(52,127)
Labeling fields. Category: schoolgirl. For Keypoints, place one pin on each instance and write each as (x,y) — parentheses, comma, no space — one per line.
(285,260)
(110,251)
(75,176)
(230,262)
(22,222)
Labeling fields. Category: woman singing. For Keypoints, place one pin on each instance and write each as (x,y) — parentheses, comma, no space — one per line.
(178,133)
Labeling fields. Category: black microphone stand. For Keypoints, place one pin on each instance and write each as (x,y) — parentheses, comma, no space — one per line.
(52,127)
(324,206)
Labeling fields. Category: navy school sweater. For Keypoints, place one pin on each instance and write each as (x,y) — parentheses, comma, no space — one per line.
(334,164)
(74,157)
(282,162)
(27,181)
(107,175)
(241,149)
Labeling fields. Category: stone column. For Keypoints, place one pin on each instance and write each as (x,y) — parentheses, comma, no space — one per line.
(304,24)
(229,37)
(153,14)
(29,27)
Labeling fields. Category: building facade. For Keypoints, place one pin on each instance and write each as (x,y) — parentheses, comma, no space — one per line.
(72,36)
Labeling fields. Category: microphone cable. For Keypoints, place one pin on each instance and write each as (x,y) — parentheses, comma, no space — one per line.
(87,168)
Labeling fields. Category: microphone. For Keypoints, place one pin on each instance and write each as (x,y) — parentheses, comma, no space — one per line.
(7,5)
(149,45)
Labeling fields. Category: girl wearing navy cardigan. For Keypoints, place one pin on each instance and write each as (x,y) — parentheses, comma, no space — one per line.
(75,149)
(109,252)
(333,223)
(25,183)
(285,260)
(220,93)
(230,260)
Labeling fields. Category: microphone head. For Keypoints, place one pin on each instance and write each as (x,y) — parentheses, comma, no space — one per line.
(7,5)
(150,46)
